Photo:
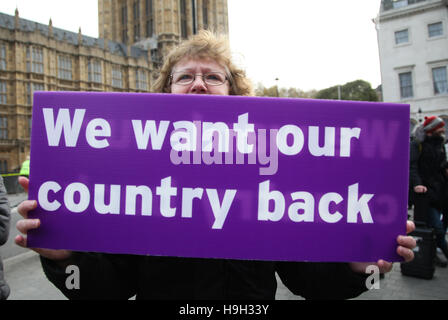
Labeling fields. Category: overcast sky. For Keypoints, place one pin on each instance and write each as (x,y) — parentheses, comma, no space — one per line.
(306,44)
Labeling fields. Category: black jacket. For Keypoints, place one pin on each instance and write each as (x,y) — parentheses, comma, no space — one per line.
(4,233)
(427,165)
(4,214)
(107,276)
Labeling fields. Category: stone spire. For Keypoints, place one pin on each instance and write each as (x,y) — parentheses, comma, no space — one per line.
(16,21)
(50,28)
(79,37)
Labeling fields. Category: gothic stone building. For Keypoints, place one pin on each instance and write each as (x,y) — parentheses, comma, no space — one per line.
(134,37)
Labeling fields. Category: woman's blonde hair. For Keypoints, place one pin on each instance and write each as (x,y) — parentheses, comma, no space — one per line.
(205,45)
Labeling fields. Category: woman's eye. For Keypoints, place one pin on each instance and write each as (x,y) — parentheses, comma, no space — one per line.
(185,77)
(215,77)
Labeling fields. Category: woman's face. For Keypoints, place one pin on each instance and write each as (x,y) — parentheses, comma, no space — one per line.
(187,69)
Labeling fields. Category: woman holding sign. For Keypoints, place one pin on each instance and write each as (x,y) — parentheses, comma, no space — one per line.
(201,65)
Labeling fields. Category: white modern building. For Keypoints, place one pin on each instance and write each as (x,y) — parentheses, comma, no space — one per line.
(413,50)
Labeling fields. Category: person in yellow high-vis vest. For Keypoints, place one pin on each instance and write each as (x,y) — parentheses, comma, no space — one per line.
(25,169)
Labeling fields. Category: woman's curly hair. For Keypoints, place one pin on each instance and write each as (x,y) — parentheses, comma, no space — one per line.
(205,45)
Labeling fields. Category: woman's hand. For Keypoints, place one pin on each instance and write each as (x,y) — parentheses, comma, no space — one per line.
(26,224)
(420,189)
(404,249)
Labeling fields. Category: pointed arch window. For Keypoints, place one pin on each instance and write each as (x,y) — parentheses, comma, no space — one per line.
(149,18)
(205,13)
(183,19)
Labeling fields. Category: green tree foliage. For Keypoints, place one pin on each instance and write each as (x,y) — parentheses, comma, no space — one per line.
(274,91)
(358,90)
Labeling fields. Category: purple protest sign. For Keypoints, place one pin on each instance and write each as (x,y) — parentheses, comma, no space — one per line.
(219,177)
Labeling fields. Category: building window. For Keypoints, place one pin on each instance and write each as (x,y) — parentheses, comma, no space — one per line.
(94,70)
(155,55)
(395,4)
(30,88)
(183,19)
(402,36)
(3,92)
(3,166)
(136,20)
(440,80)
(30,122)
(64,67)
(149,18)
(2,57)
(194,14)
(124,23)
(29,94)
(3,127)
(406,85)
(140,79)
(117,77)
(205,13)
(400,3)
(34,60)
(435,29)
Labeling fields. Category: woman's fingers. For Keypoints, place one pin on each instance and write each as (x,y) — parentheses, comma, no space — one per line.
(24,226)
(407,242)
(384,266)
(25,207)
(20,241)
(24,182)
(410,226)
(27,224)
(406,253)
(405,246)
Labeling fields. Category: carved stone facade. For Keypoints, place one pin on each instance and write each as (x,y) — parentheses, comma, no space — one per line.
(37,57)
(159,24)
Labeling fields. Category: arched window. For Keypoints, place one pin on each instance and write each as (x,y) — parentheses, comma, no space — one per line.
(194,16)
(205,13)
(3,127)
(124,23)
(136,10)
(149,18)
(183,19)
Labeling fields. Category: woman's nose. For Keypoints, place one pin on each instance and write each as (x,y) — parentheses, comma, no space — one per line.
(198,85)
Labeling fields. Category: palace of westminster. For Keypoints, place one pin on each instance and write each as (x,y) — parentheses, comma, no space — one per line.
(134,36)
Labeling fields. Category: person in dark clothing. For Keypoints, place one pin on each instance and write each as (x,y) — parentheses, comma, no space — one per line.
(4,233)
(428,179)
(112,276)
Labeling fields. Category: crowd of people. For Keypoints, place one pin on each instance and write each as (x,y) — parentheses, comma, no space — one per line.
(428,180)
(200,65)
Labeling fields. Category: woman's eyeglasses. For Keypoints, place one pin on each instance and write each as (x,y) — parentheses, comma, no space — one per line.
(186,78)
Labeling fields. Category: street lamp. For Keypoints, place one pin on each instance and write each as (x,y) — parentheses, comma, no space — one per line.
(276,86)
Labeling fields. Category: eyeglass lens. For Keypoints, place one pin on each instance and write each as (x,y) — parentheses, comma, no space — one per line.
(210,78)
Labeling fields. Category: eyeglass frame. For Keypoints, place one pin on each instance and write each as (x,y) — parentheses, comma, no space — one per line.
(202,76)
